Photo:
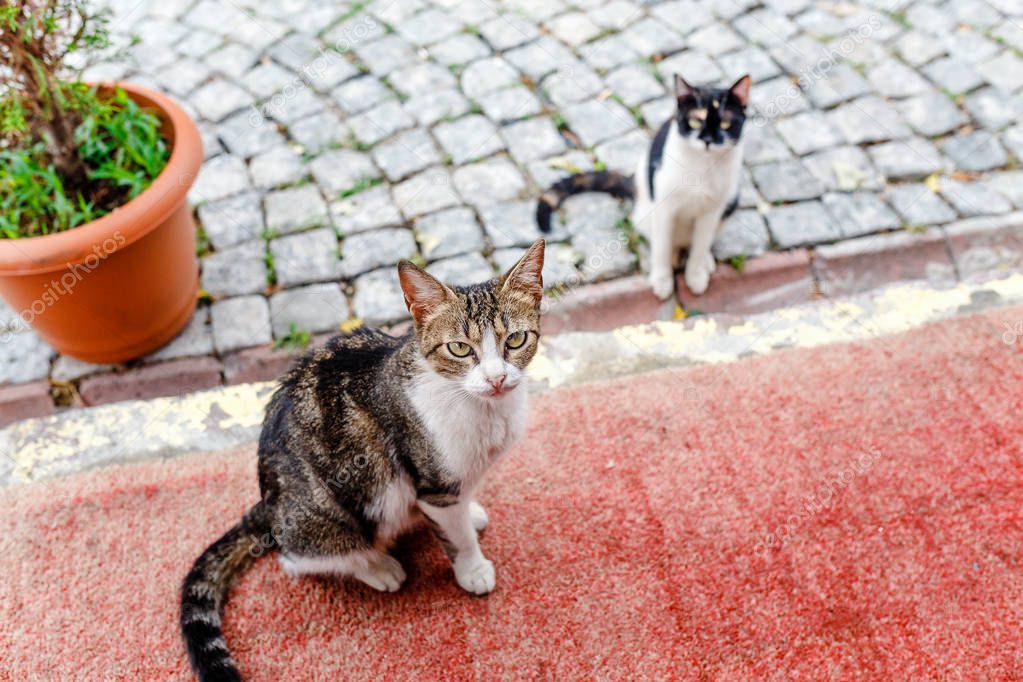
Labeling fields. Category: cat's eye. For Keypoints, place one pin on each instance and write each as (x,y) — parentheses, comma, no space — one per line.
(516,340)
(694,122)
(725,124)
(459,349)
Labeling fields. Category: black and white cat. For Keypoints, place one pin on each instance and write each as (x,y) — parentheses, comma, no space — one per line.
(685,184)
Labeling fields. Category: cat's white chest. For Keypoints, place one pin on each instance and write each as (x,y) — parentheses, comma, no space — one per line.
(468,433)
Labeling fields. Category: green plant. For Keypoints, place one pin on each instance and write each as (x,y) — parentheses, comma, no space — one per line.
(738,262)
(69,153)
(295,338)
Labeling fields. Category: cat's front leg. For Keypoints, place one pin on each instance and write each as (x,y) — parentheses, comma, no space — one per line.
(700,262)
(662,240)
(454,526)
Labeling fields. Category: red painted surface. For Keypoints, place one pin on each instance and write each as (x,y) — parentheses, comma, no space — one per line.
(850,512)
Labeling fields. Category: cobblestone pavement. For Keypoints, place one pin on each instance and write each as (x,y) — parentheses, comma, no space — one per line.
(343,136)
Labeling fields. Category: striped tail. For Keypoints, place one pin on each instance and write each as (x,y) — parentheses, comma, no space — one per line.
(615,184)
(205,589)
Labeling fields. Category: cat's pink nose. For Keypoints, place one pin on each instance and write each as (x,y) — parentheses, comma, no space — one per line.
(498,381)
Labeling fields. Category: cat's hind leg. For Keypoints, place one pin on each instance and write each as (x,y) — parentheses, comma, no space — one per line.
(316,544)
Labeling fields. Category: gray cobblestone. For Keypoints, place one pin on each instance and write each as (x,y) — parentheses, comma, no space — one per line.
(808,132)
(385,55)
(868,119)
(24,357)
(319,132)
(276,167)
(992,109)
(240,323)
(488,182)
(844,169)
(468,138)
(460,49)
(931,113)
(540,57)
(307,257)
(378,298)
(510,104)
(860,213)
(380,122)
(572,83)
(918,205)
(247,133)
(233,220)
(426,192)
(195,340)
(509,31)
(750,59)
(573,28)
(451,232)
(595,121)
(290,210)
(1010,185)
(423,77)
(236,270)
(892,78)
(623,153)
(510,224)
(430,107)
(219,177)
(648,37)
(218,98)
(365,251)
(744,233)
(359,94)
(407,153)
(634,84)
(911,158)
(487,75)
(364,211)
(533,139)
(976,151)
(464,270)
(263,80)
(314,308)
(802,224)
(953,75)
(786,181)
(607,53)
(974,198)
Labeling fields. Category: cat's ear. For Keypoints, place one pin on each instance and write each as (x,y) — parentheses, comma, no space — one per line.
(423,291)
(526,276)
(682,88)
(740,91)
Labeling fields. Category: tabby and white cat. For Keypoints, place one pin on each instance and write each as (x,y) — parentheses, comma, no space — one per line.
(370,433)
(683,186)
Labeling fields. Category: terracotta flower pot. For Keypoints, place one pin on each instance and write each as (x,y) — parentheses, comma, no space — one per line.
(125,284)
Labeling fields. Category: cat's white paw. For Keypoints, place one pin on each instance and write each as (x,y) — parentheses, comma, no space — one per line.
(663,285)
(710,263)
(384,574)
(476,577)
(697,279)
(478,516)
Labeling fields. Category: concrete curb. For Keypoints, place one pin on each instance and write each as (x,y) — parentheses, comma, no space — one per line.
(228,416)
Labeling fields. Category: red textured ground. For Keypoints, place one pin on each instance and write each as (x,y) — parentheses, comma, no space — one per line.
(850,511)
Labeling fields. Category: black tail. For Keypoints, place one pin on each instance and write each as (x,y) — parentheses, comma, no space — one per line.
(615,184)
(204,592)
